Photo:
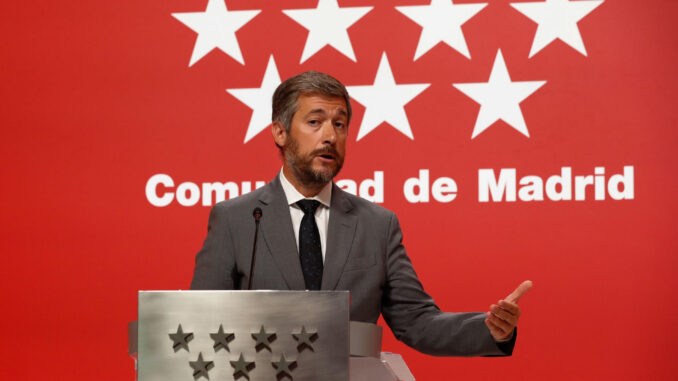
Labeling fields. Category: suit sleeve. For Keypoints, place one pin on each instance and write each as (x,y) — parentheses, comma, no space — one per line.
(215,262)
(415,319)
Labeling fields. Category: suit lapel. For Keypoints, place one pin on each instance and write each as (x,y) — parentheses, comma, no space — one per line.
(276,227)
(340,234)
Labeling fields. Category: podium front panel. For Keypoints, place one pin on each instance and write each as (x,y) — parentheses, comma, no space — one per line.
(243,335)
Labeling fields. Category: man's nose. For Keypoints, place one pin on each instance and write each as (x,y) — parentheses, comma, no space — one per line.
(329,134)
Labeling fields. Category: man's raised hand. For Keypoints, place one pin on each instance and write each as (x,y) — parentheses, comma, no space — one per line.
(502,318)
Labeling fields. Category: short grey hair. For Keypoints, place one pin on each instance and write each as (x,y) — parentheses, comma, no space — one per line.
(311,82)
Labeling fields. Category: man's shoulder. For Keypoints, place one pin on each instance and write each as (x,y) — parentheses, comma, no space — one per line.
(365,207)
(244,202)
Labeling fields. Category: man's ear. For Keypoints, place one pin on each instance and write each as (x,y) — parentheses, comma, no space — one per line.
(279,134)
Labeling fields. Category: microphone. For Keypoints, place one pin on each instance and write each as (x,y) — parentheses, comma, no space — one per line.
(256,213)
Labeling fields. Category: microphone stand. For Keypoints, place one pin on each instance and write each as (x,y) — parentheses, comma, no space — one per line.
(256,213)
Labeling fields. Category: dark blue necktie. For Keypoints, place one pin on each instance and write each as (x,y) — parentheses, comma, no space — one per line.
(310,251)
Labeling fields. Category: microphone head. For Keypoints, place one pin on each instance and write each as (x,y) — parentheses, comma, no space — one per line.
(256,213)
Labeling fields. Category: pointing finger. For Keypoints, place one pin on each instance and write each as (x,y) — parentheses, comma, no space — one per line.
(520,291)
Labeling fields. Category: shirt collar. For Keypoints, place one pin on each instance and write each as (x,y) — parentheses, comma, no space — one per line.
(293,195)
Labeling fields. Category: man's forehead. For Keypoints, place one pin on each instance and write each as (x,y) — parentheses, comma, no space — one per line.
(340,111)
(318,103)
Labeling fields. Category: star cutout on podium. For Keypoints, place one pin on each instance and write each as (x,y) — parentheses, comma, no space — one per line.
(242,368)
(557,19)
(283,367)
(263,339)
(385,101)
(305,339)
(201,367)
(180,339)
(259,100)
(216,28)
(499,98)
(221,339)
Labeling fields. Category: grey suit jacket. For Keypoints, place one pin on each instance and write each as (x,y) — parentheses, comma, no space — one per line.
(364,254)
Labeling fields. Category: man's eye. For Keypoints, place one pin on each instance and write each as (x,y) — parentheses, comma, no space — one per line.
(313,122)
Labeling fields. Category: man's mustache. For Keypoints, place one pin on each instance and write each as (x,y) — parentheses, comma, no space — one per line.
(326,150)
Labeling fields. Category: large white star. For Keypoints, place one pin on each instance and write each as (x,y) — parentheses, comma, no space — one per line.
(441,22)
(385,101)
(499,98)
(259,100)
(327,25)
(216,28)
(557,19)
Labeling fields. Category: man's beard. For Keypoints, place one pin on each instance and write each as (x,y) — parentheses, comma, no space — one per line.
(302,167)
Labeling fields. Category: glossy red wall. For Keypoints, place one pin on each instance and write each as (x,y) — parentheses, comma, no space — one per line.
(97,97)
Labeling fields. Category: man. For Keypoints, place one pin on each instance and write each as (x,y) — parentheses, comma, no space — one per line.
(316,236)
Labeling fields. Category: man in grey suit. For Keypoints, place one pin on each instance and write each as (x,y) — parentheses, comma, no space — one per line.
(313,235)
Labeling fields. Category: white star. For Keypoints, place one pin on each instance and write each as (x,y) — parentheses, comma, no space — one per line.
(499,98)
(327,25)
(259,100)
(441,22)
(557,19)
(385,101)
(216,28)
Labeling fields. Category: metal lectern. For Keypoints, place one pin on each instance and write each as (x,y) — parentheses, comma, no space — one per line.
(256,336)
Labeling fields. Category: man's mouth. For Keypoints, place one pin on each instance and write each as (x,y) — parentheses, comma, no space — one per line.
(326,156)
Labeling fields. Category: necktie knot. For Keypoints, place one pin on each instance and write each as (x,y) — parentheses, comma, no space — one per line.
(308,206)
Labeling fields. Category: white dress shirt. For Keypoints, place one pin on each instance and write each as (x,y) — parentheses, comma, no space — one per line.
(322,214)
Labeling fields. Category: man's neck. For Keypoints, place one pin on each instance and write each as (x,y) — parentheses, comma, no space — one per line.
(308,191)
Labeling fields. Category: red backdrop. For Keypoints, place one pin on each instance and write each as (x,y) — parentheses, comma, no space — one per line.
(97,97)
